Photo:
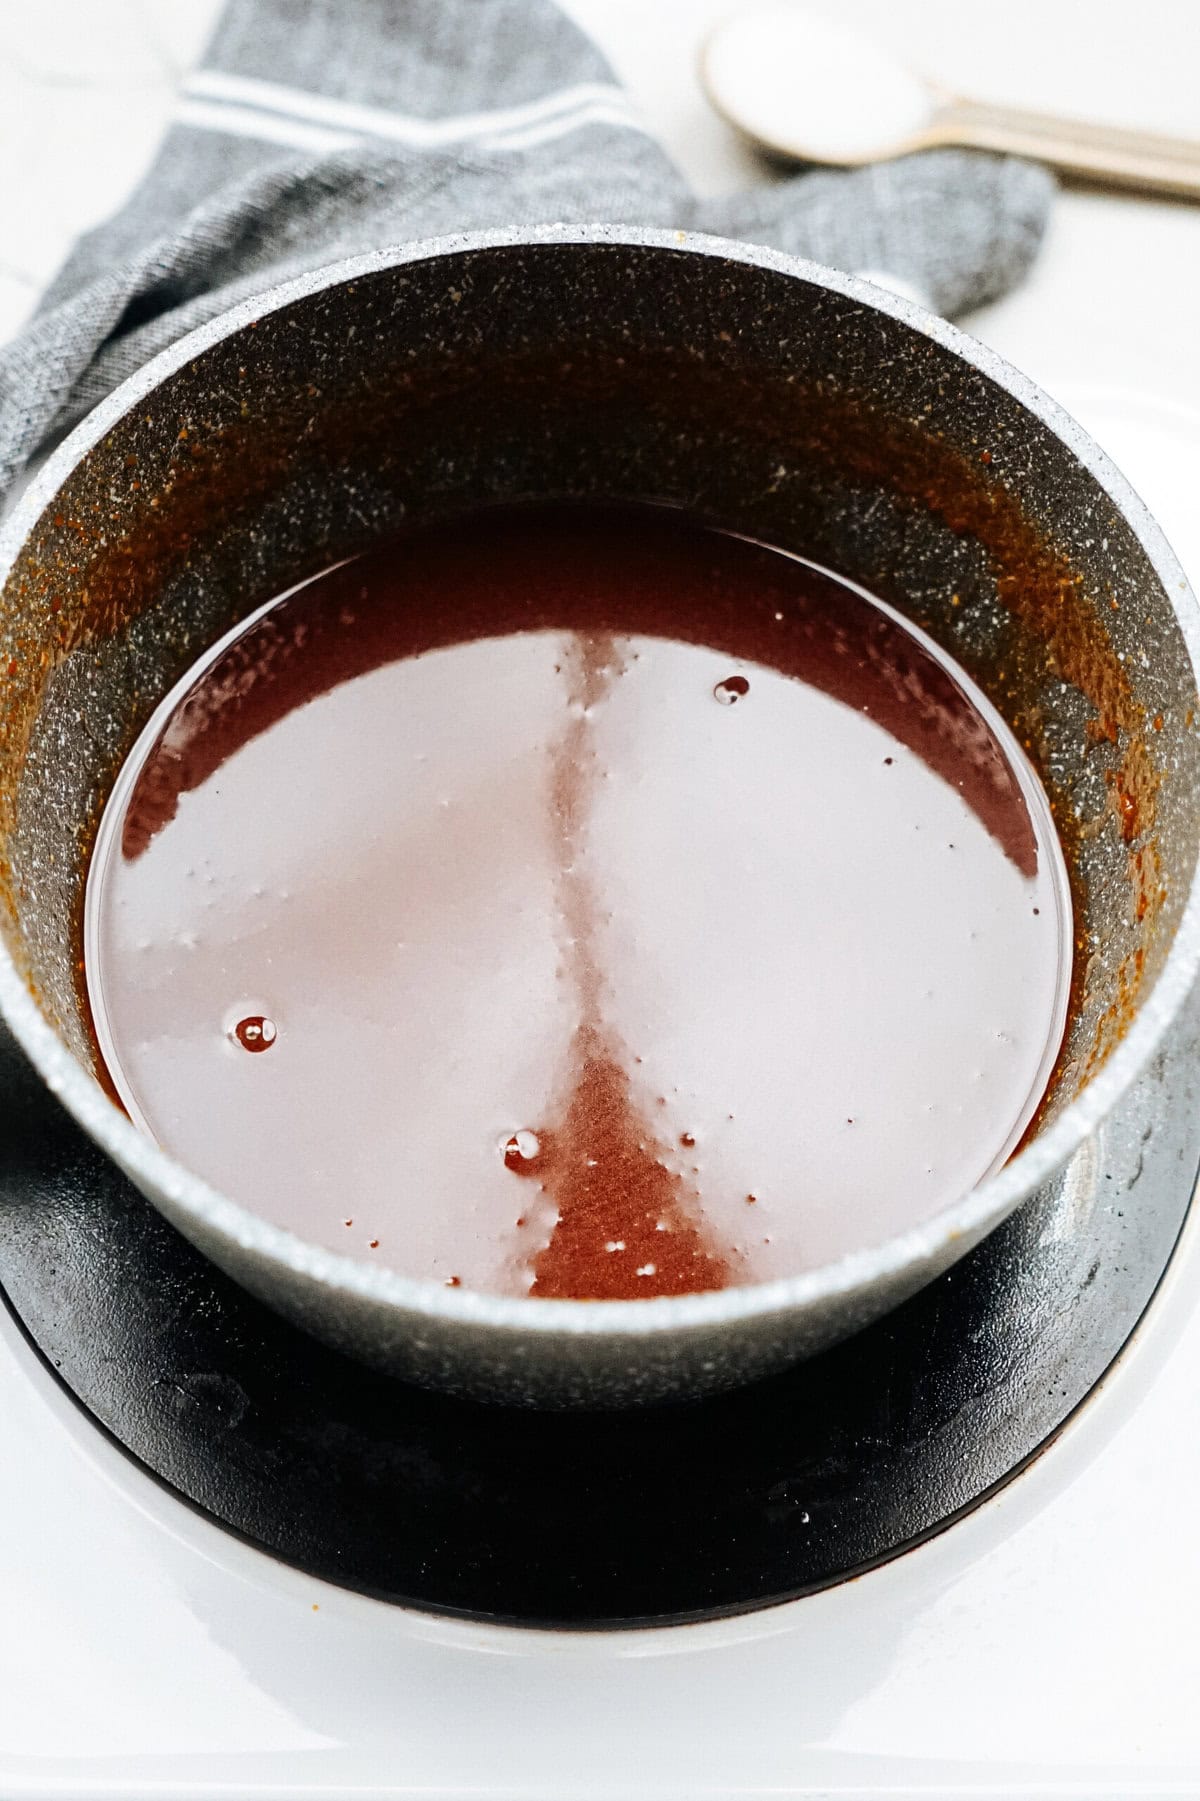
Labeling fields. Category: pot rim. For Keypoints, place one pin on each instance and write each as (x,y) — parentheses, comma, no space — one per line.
(184,1194)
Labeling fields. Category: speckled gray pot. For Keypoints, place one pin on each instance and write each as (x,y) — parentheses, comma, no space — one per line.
(795,404)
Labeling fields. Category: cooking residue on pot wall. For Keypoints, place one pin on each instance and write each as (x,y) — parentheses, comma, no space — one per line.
(588,875)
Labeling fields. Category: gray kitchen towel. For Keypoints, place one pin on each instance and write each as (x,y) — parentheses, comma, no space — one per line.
(317,129)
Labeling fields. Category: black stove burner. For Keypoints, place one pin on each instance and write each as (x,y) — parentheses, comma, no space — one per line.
(678,1513)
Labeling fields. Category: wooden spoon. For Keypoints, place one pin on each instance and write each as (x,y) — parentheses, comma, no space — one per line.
(805,89)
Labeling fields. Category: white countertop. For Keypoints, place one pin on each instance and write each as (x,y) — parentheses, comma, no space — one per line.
(1045,1645)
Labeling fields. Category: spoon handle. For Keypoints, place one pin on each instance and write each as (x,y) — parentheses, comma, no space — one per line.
(1109,155)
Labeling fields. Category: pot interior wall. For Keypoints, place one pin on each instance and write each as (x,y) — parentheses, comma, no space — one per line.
(767,402)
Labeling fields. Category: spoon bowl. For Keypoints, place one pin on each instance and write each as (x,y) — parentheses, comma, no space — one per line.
(811,91)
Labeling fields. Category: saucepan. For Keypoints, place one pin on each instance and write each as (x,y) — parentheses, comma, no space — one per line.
(799,406)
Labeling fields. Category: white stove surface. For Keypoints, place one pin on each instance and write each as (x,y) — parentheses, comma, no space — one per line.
(1044,1646)
(1041,1647)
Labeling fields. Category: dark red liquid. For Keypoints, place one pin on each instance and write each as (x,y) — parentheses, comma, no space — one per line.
(579,903)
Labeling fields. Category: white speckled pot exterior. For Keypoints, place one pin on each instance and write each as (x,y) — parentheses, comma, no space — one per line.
(778,398)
